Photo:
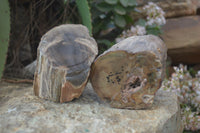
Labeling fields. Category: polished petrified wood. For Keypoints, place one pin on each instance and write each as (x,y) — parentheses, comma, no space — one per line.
(129,73)
(64,57)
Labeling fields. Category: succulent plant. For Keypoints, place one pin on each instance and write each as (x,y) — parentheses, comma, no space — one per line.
(4,33)
(85,14)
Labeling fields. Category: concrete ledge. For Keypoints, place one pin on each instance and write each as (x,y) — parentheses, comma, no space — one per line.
(21,111)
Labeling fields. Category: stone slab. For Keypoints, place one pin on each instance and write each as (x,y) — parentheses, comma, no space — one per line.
(182,37)
(22,112)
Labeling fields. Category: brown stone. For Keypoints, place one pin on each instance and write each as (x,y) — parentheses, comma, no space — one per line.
(197,4)
(64,57)
(182,37)
(129,73)
(174,8)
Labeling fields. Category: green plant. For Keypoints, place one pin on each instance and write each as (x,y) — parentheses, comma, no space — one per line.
(150,25)
(84,12)
(109,19)
(111,14)
(104,44)
(4,32)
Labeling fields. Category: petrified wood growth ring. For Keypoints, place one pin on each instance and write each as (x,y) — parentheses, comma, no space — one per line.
(129,73)
(64,57)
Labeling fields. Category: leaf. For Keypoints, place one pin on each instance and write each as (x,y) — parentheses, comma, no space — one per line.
(130,9)
(141,22)
(124,2)
(128,19)
(99,25)
(154,30)
(4,33)
(132,2)
(120,10)
(120,21)
(106,42)
(112,2)
(84,12)
(104,7)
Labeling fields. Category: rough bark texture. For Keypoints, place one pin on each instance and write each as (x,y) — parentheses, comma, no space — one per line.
(129,73)
(65,54)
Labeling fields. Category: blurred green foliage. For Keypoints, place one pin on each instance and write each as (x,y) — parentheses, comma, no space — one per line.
(111,13)
(4,32)
(109,19)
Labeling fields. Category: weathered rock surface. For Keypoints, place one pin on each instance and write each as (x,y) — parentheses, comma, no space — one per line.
(21,111)
(182,37)
(174,8)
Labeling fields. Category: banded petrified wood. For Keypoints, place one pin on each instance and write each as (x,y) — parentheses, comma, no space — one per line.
(64,57)
(129,73)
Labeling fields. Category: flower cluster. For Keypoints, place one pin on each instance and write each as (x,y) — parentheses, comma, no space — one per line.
(155,16)
(133,31)
(191,119)
(187,89)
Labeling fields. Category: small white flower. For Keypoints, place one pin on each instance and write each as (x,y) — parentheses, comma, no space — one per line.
(150,22)
(198,92)
(155,15)
(133,29)
(150,4)
(198,74)
(189,83)
(187,109)
(140,30)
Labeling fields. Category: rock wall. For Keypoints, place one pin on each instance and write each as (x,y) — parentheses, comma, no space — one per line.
(182,36)
(181,33)
(175,8)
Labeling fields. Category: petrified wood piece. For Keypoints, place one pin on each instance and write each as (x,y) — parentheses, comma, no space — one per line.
(129,73)
(64,57)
